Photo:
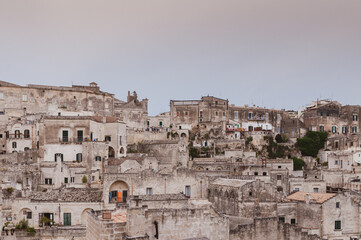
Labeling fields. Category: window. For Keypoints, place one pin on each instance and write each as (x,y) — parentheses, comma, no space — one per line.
(235,115)
(336,162)
(186,113)
(337,204)
(297,189)
(334,129)
(90,103)
(29,215)
(279,177)
(79,157)
(178,114)
(14,145)
(48,181)
(279,189)
(250,115)
(65,136)
(25,98)
(256,173)
(26,133)
(354,118)
(80,135)
(108,138)
(65,180)
(72,179)
(293,221)
(344,129)
(216,113)
(17,133)
(149,191)
(322,128)
(57,156)
(354,129)
(315,190)
(337,225)
(188,191)
(67,219)
(321,114)
(98,158)
(279,167)
(93,178)
(120,140)
(281,219)
(250,194)
(1,96)
(264,174)
(201,113)
(160,124)
(200,120)
(224,114)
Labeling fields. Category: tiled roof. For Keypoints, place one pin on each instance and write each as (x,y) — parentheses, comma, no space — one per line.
(314,197)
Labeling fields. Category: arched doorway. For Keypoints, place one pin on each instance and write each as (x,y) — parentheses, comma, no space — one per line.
(121,150)
(111,152)
(118,192)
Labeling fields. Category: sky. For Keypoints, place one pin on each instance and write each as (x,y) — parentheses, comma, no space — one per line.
(271,53)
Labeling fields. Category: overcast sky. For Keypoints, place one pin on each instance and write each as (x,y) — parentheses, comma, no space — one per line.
(272,53)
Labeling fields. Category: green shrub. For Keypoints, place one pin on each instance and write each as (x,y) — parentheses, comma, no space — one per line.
(10,190)
(310,144)
(249,140)
(30,230)
(23,224)
(298,163)
(193,152)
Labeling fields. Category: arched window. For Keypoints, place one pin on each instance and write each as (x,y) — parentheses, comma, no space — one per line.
(17,133)
(14,144)
(26,133)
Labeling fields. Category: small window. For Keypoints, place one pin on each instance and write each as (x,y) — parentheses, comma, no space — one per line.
(188,191)
(281,219)
(25,98)
(337,225)
(344,129)
(90,103)
(279,177)
(48,181)
(264,174)
(108,138)
(315,190)
(354,129)
(149,191)
(293,221)
(279,166)
(178,114)
(72,179)
(120,140)
(337,204)
(250,194)
(26,133)
(29,215)
(334,129)
(186,113)
(65,136)
(279,189)
(256,173)
(79,157)
(354,118)
(58,156)
(80,136)
(98,158)
(14,145)
(65,180)
(322,128)
(297,189)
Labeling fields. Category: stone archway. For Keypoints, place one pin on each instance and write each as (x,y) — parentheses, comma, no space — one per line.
(118,192)
(84,216)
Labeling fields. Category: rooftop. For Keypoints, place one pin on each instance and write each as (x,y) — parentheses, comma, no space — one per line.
(315,197)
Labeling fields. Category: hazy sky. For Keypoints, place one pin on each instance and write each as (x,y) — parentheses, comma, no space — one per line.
(280,54)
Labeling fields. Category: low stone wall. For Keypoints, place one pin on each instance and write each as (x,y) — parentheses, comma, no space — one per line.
(269,228)
(74,233)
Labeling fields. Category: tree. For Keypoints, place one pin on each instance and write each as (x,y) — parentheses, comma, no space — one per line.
(278,138)
(310,144)
(249,140)
(84,179)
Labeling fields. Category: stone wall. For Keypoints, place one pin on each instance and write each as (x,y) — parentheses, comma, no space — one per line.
(269,228)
